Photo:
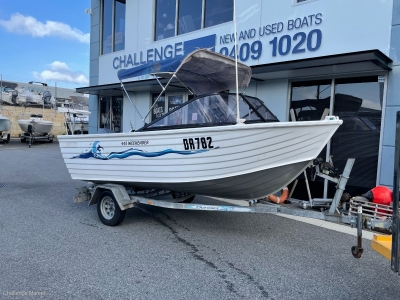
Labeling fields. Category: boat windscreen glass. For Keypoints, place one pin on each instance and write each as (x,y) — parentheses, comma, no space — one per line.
(261,109)
(216,109)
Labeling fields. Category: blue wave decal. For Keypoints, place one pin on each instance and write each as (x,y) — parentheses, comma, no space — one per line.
(95,152)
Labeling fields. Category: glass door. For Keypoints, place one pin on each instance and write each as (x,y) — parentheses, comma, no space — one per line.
(358,102)
(111,113)
(309,101)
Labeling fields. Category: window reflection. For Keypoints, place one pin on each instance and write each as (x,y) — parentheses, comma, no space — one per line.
(158,108)
(165,19)
(310,99)
(217,109)
(107,26)
(218,12)
(111,113)
(189,18)
(358,102)
(113,13)
(119,25)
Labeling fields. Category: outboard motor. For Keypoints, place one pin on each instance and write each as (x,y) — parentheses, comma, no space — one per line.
(319,166)
(47,98)
(14,96)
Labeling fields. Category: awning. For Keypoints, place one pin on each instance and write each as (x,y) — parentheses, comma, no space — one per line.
(361,63)
(358,63)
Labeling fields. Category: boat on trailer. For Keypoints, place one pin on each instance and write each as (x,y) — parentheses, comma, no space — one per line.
(217,144)
(5,127)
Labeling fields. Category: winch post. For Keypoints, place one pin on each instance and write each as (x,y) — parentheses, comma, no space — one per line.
(358,250)
(396,211)
(341,185)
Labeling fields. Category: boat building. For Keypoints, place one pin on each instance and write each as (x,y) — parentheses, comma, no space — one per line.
(307,56)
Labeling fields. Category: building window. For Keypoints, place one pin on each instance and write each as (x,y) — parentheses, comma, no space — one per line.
(218,12)
(119,25)
(113,26)
(190,15)
(158,108)
(182,16)
(358,102)
(165,19)
(166,103)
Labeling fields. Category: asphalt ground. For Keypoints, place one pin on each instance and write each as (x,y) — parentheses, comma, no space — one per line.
(51,248)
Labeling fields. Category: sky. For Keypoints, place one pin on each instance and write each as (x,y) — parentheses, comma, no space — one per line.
(46,41)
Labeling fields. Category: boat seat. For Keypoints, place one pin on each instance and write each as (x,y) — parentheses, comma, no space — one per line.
(309,115)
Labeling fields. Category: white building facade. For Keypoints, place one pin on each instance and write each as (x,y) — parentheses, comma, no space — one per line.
(306,55)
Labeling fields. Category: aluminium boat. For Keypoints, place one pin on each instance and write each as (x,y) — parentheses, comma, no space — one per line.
(217,144)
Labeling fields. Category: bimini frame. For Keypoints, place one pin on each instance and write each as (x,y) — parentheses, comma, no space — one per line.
(196,72)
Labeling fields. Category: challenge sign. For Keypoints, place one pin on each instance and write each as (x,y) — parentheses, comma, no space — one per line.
(290,37)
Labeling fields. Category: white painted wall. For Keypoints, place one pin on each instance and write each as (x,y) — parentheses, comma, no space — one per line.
(344,26)
(130,115)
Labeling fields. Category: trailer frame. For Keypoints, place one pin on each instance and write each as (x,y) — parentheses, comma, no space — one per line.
(114,199)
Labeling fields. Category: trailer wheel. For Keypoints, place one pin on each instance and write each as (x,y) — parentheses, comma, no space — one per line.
(108,209)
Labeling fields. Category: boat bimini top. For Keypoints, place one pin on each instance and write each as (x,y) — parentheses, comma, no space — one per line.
(208,75)
(202,71)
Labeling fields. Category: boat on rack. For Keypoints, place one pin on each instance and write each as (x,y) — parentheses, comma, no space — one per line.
(217,144)
(9,96)
(76,120)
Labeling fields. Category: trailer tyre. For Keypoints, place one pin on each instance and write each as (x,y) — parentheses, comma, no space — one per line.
(108,209)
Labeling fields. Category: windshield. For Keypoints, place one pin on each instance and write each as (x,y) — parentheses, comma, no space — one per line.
(216,109)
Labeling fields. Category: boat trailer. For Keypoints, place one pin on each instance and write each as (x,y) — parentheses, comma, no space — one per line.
(5,136)
(114,199)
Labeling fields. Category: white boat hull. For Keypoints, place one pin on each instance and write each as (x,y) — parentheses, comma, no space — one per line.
(40,127)
(236,161)
(5,124)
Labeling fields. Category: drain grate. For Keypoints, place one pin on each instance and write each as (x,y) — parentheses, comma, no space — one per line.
(2,185)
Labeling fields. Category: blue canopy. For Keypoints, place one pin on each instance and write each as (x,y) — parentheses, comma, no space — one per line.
(203,71)
(168,65)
